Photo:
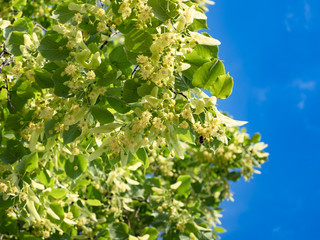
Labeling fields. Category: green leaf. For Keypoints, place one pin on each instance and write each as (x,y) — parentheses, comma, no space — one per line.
(149,183)
(132,57)
(182,83)
(145,89)
(256,138)
(207,74)
(5,204)
(89,24)
(58,193)
(105,73)
(118,57)
(130,93)
(151,231)
(119,231)
(18,4)
(13,43)
(101,114)
(198,24)
(185,135)
(28,163)
(219,230)
(222,86)
(13,122)
(20,25)
(56,207)
(49,128)
(118,104)
(71,134)
(63,14)
(94,202)
(44,177)
(185,187)
(106,128)
(53,46)
(60,89)
(163,9)
(190,71)
(75,168)
(234,176)
(138,41)
(43,78)
(143,157)
(201,54)
(13,152)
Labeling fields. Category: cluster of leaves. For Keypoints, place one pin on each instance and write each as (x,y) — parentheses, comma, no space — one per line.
(105,129)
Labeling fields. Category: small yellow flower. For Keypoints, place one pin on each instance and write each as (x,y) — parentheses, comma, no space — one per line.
(78,17)
(184,125)
(71,70)
(102,91)
(91,75)
(146,115)
(124,10)
(70,45)
(82,124)
(92,95)
(118,20)
(142,59)
(3,187)
(163,72)
(186,114)
(101,27)
(100,12)
(156,122)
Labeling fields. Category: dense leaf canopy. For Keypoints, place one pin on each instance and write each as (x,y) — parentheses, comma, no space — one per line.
(106,130)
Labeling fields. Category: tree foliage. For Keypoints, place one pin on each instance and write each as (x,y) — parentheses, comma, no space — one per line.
(106,131)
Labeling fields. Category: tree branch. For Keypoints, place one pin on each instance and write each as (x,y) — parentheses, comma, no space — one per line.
(180,93)
(106,42)
(137,213)
(40,26)
(134,70)
(8,96)
(6,62)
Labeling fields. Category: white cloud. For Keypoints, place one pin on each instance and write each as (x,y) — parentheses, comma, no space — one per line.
(302,101)
(307,11)
(287,21)
(304,85)
(298,15)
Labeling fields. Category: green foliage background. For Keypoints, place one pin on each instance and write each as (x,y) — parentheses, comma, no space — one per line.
(105,130)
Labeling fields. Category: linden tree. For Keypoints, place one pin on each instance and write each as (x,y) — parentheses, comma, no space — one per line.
(107,130)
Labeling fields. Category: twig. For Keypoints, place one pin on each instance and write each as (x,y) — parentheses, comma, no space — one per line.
(4,51)
(126,217)
(140,200)
(106,42)
(8,96)
(180,93)
(18,220)
(135,199)
(137,213)
(6,62)
(134,70)
(40,26)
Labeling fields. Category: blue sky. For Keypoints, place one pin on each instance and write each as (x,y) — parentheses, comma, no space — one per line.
(272,50)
